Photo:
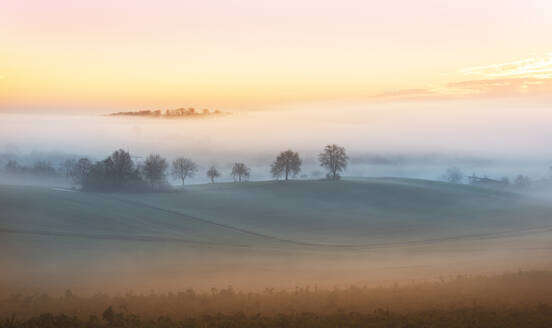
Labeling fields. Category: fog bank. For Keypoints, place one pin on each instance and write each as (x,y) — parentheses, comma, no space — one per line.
(414,140)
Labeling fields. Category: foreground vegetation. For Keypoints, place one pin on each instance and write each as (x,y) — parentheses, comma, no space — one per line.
(522,299)
(534,317)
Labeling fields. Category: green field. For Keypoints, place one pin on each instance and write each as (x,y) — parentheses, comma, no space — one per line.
(250,234)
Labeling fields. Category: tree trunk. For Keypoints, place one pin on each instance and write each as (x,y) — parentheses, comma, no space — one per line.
(212,179)
(287,171)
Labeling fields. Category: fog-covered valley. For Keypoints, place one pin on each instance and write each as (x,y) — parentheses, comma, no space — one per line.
(393,217)
(254,235)
(400,140)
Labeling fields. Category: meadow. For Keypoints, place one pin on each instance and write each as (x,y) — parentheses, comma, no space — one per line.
(519,299)
(258,234)
(377,252)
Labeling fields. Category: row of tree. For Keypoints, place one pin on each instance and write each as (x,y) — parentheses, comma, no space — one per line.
(39,169)
(334,158)
(455,175)
(120,172)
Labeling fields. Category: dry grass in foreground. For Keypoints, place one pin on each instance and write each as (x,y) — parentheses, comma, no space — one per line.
(521,299)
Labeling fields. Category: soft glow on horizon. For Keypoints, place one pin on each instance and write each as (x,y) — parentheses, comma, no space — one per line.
(126,55)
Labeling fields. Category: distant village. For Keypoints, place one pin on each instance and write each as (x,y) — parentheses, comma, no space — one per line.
(174,113)
(455,175)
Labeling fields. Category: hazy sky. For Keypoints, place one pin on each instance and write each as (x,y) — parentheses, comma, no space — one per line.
(239,55)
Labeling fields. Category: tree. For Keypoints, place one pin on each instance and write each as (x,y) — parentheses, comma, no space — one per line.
(240,171)
(115,173)
(505,181)
(288,162)
(334,159)
(522,181)
(12,167)
(43,168)
(100,176)
(67,167)
(80,170)
(121,167)
(154,169)
(453,175)
(183,168)
(213,173)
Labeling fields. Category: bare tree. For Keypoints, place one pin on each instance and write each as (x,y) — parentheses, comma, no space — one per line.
(67,167)
(80,170)
(505,181)
(154,170)
(121,167)
(213,173)
(453,175)
(288,162)
(240,171)
(12,167)
(43,168)
(333,158)
(522,181)
(183,168)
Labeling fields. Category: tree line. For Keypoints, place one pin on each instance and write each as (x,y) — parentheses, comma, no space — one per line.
(455,175)
(39,169)
(119,172)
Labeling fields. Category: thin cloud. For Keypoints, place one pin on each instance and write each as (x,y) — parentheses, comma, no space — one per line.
(536,67)
(531,76)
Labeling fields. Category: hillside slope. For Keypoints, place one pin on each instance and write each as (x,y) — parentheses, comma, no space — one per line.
(352,212)
(281,229)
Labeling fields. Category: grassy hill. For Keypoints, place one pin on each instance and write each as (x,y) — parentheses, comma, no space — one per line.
(359,212)
(221,225)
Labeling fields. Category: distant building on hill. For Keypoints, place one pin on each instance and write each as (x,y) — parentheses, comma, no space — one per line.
(173,113)
(487,182)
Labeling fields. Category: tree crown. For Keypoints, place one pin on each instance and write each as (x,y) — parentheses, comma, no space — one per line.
(334,158)
(288,162)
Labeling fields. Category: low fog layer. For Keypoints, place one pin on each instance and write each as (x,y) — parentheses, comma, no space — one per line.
(360,230)
(266,234)
(415,140)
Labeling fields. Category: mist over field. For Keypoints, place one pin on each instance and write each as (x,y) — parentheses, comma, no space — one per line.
(405,140)
(387,221)
(275,164)
(273,234)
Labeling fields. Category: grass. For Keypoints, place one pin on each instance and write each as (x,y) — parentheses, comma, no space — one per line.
(274,233)
(352,212)
(520,299)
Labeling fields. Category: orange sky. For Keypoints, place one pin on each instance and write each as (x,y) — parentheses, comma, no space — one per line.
(124,55)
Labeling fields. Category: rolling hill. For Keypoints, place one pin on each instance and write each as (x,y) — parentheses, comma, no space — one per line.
(276,227)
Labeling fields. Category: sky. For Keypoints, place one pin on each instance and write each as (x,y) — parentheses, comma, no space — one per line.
(102,56)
